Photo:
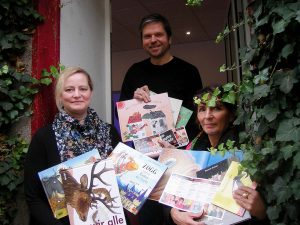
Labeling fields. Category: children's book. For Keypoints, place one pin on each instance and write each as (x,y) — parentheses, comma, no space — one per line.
(92,194)
(139,119)
(149,146)
(175,106)
(51,181)
(183,117)
(186,162)
(234,177)
(137,175)
(218,215)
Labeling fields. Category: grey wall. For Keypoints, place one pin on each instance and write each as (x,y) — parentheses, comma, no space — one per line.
(85,42)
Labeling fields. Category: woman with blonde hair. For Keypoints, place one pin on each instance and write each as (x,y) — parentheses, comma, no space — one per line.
(75,130)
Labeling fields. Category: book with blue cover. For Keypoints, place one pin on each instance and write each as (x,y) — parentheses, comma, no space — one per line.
(137,175)
(52,184)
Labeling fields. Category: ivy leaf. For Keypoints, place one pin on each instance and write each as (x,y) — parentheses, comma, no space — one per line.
(6,106)
(272,166)
(279,26)
(287,131)
(46,81)
(270,112)
(273,212)
(212,101)
(261,91)
(287,82)
(287,151)
(13,114)
(296,161)
(229,97)
(282,190)
(287,50)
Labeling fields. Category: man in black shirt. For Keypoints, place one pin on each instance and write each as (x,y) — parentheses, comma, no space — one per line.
(162,72)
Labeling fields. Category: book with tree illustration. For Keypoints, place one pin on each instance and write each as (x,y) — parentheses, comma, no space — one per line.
(92,194)
(234,177)
(149,146)
(187,162)
(51,181)
(139,119)
(137,175)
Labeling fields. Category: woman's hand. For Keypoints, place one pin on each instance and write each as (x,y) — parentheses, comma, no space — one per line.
(186,218)
(250,200)
(142,94)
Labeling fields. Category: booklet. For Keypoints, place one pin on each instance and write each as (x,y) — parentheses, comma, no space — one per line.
(137,175)
(139,119)
(187,162)
(149,146)
(92,194)
(233,178)
(51,181)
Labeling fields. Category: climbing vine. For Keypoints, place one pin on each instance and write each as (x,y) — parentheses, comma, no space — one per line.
(18,21)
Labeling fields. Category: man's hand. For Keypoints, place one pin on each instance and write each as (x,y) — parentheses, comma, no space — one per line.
(142,94)
(186,218)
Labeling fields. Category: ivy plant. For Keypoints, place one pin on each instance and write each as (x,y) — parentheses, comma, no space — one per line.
(18,21)
(269,107)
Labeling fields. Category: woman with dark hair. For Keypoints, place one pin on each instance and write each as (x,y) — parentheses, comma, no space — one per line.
(215,116)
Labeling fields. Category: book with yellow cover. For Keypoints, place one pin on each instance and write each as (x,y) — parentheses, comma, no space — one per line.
(233,178)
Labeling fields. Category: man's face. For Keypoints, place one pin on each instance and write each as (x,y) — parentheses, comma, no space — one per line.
(155,40)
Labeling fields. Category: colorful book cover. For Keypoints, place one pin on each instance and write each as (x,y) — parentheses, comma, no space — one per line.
(233,178)
(218,215)
(137,175)
(183,117)
(51,181)
(186,162)
(139,119)
(92,194)
(149,146)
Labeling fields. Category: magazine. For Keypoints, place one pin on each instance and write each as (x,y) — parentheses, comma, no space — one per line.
(92,194)
(137,175)
(188,193)
(149,146)
(139,119)
(51,181)
(187,162)
(233,178)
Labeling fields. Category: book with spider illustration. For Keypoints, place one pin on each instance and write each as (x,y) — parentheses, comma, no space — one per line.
(92,194)
(137,175)
(139,119)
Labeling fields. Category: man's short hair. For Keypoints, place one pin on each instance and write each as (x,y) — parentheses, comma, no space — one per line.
(155,18)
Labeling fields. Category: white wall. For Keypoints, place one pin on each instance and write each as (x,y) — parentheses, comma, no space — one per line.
(85,42)
(206,56)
